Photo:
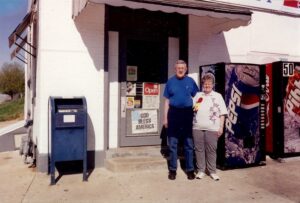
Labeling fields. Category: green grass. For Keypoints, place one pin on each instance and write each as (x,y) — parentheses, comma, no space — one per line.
(12,110)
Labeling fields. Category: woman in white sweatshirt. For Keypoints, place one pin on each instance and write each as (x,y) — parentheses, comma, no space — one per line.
(208,124)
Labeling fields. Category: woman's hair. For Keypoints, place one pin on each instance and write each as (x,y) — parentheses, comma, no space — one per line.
(208,76)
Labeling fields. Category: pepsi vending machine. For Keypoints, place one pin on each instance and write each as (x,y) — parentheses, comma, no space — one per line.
(243,89)
(283,109)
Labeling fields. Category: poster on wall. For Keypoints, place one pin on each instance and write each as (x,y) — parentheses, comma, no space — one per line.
(144,121)
(131,73)
(151,95)
(130,102)
(138,102)
(130,89)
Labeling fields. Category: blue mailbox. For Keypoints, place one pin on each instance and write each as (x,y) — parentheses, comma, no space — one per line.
(68,132)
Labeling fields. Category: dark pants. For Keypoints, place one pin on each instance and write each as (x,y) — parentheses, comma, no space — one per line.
(180,122)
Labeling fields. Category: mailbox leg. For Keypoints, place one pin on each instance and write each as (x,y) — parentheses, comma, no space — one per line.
(84,170)
(52,173)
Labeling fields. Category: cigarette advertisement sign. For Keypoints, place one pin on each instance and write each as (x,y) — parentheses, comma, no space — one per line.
(130,102)
(289,6)
(144,121)
(131,74)
(130,88)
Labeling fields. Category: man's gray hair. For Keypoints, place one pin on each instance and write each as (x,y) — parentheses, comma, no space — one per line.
(208,76)
(180,62)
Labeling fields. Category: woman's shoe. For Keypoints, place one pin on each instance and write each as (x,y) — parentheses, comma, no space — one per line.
(214,176)
(200,175)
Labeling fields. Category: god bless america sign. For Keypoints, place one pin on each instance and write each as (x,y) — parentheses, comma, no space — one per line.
(144,121)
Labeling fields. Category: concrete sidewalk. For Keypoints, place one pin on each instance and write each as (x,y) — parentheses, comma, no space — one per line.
(275,182)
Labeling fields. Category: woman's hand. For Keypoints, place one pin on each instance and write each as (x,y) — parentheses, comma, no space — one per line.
(196,107)
(220,132)
(222,119)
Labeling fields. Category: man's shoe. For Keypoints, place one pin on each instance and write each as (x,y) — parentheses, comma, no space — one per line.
(215,177)
(191,175)
(200,175)
(172,175)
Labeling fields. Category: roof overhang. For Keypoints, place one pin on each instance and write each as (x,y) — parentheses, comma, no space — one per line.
(19,37)
(185,7)
(225,17)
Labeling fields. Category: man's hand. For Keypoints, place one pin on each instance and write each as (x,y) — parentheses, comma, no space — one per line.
(166,123)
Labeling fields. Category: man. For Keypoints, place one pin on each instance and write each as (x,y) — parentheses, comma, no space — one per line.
(178,117)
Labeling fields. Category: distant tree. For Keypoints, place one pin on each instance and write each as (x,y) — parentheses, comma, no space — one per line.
(12,79)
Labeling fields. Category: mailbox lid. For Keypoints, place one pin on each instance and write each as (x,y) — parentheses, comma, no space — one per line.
(69,105)
(69,112)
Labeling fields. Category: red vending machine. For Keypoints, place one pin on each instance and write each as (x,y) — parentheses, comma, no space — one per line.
(283,109)
(243,89)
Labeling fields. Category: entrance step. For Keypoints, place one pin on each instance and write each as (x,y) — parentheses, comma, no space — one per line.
(129,164)
(134,151)
(135,159)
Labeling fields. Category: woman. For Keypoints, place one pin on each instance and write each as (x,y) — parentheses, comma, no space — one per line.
(210,111)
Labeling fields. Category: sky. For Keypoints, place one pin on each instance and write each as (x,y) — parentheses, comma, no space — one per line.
(11,14)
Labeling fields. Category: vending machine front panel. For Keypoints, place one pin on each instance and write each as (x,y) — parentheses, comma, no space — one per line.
(291,109)
(242,126)
(242,143)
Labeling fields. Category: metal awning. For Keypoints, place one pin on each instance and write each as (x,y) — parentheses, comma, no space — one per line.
(185,7)
(19,38)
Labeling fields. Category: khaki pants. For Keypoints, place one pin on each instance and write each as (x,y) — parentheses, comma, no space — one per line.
(205,143)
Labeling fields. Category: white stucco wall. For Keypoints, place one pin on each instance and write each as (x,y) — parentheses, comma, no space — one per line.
(205,45)
(70,63)
(267,38)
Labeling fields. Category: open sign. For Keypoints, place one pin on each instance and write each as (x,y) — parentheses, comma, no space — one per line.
(151,89)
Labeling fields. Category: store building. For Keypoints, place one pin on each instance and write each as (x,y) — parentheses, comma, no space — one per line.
(119,54)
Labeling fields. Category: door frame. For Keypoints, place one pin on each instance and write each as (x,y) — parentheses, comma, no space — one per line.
(125,140)
(121,22)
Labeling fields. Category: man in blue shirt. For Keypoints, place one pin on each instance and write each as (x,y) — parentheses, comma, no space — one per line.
(178,117)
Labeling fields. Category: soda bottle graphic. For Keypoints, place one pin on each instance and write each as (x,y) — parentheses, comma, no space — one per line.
(242,93)
(292,99)
(292,113)
(242,100)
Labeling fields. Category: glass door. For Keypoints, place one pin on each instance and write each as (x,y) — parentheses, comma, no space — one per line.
(143,74)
